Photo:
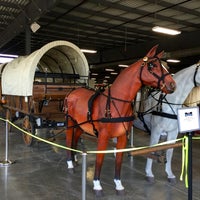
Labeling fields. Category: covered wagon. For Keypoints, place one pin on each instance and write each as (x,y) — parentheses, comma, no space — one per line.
(34,86)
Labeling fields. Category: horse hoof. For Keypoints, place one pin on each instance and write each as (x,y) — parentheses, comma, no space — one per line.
(71,170)
(98,193)
(172,181)
(150,179)
(120,192)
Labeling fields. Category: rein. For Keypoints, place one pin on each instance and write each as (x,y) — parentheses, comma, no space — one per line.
(108,117)
(164,100)
(115,98)
(195,84)
(195,74)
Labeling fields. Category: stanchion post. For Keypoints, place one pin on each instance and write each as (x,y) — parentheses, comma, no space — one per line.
(6,142)
(84,169)
(190,134)
(188,121)
(131,144)
(6,161)
(131,137)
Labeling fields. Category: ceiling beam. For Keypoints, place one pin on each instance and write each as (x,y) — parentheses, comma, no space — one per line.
(31,13)
(187,42)
(143,14)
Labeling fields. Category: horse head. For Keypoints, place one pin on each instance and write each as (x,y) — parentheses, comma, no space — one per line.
(152,71)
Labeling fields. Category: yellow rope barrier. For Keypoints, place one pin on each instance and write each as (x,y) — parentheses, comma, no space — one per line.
(185,152)
(184,149)
(41,139)
(89,152)
(184,160)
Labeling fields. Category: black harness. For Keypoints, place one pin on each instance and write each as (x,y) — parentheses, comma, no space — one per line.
(195,74)
(174,116)
(108,116)
(163,114)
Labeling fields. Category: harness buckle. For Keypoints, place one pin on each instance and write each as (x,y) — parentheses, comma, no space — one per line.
(89,116)
(145,59)
(108,113)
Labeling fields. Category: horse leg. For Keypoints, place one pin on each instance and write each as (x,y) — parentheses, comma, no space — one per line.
(169,153)
(171,177)
(148,169)
(101,145)
(76,136)
(69,143)
(121,144)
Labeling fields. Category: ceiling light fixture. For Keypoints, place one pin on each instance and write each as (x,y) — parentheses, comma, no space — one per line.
(109,70)
(8,55)
(34,27)
(173,60)
(120,65)
(88,51)
(114,73)
(5,58)
(165,30)
(94,74)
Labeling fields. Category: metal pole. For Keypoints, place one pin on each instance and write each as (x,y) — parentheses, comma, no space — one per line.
(6,142)
(190,134)
(5,196)
(6,161)
(84,158)
(131,138)
(131,144)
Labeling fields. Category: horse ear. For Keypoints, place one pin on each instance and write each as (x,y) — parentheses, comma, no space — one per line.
(160,55)
(152,52)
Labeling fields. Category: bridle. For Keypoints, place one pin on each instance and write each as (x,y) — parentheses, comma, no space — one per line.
(195,74)
(150,65)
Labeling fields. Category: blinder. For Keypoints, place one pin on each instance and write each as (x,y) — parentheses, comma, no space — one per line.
(150,66)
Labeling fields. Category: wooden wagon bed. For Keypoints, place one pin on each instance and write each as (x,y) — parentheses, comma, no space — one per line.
(46,102)
(48,93)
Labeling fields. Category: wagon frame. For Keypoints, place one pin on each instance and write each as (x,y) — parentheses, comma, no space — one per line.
(36,90)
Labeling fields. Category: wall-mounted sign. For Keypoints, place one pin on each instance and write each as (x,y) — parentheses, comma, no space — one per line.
(188,119)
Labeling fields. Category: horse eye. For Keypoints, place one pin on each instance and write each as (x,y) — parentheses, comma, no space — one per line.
(150,65)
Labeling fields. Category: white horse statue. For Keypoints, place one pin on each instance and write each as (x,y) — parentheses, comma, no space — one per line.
(165,124)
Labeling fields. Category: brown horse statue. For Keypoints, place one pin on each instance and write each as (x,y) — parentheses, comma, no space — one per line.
(108,114)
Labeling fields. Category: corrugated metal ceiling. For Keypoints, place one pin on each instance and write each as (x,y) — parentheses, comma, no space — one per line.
(105,25)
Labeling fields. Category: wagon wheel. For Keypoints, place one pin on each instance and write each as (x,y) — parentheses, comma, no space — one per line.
(28,126)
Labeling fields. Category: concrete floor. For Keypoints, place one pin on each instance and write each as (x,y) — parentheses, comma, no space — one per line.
(40,173)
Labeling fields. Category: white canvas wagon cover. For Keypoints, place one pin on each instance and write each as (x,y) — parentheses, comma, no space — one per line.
(56,57)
